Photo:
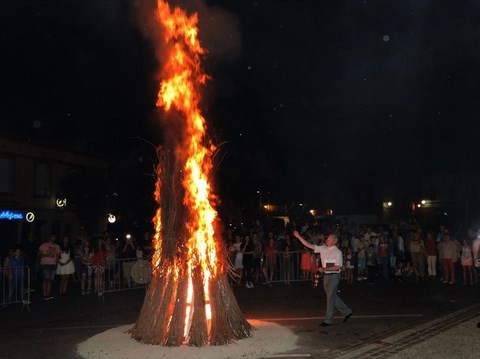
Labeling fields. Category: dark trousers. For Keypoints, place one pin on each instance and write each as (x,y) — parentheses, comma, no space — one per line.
(371,273)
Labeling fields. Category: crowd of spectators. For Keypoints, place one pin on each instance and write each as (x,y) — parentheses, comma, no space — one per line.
(95,263)
(404,251)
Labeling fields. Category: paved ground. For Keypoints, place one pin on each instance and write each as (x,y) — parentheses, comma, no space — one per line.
(388,318)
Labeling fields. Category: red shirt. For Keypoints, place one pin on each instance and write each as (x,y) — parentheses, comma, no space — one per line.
(383,250)
(270,253)
(431,247)
(99,258)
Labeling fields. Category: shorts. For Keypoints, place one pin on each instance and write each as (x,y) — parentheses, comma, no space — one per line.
(98,269)
(48,272)
(86,269)
(467,262)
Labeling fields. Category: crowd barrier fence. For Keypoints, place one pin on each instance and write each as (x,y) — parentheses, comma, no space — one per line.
(15,286)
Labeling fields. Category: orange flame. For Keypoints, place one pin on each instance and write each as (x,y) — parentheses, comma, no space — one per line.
(180,89)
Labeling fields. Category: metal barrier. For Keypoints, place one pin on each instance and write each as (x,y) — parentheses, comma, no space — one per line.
(288,267)
(126,274)
(15,286)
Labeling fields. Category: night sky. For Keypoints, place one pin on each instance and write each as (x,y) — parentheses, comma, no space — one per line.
(310,99)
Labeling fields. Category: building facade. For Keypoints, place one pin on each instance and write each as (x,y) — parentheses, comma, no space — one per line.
(31,199)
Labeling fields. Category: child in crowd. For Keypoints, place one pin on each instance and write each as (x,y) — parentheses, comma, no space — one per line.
(287,265)
(99,259)
(406,273)
(14,268)
(306,263)
(372,263)
(86,269)
(349,265)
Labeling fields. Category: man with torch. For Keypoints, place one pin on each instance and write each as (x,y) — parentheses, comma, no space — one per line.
(331,266)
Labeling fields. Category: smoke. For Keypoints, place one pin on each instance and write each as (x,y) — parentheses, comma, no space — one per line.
(219,30)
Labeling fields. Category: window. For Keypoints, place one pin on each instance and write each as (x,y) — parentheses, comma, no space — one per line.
(42,180)
(7,175)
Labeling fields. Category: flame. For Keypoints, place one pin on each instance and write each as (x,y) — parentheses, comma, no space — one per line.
(180,90)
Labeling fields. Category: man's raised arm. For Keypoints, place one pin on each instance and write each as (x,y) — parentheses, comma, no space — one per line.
(304,242)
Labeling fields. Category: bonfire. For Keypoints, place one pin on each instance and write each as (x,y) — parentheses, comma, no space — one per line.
(189,300)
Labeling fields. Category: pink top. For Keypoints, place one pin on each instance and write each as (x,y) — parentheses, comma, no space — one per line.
(49,253)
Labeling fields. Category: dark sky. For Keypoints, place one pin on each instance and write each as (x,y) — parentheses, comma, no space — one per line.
(303,93)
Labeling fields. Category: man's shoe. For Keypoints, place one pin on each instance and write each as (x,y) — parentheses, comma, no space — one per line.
(347,317)
(324,324)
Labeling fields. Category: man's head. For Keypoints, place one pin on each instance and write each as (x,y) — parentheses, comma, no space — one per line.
(331,240)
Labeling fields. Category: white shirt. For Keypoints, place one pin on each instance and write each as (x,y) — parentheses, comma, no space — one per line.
(330,255)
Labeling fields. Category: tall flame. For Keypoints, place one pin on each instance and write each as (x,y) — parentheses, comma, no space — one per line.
(182,78)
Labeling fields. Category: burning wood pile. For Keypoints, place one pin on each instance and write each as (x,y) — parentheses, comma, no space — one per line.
(189,300)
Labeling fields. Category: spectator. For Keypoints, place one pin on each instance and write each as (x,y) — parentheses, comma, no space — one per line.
(349,267)
(49,253)
(129,256)
(270,261)
(306,263)
(110,261)
(248,249)
(383,256)
(362,264)
(65,266)
(476,257)
(399,244)
(15,269)
(77,259)
(441,234)
(417,252)
(99,259)
(118,262)
(448,254)
(257,257)
(406,273)
(431,252)
(258,228)
(287,265)
(86,269)
(372,264)
(238,245)
(472,236)
(354,244)
(30,253)
(467,263)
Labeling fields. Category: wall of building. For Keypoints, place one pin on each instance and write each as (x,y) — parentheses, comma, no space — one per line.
(48,217)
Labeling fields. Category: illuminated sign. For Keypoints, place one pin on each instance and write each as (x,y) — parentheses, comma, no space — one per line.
(11,215)
(61,202)
(30,217)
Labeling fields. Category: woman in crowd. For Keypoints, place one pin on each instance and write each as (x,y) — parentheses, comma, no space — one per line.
(86,269)
(65,265)
(467,263)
